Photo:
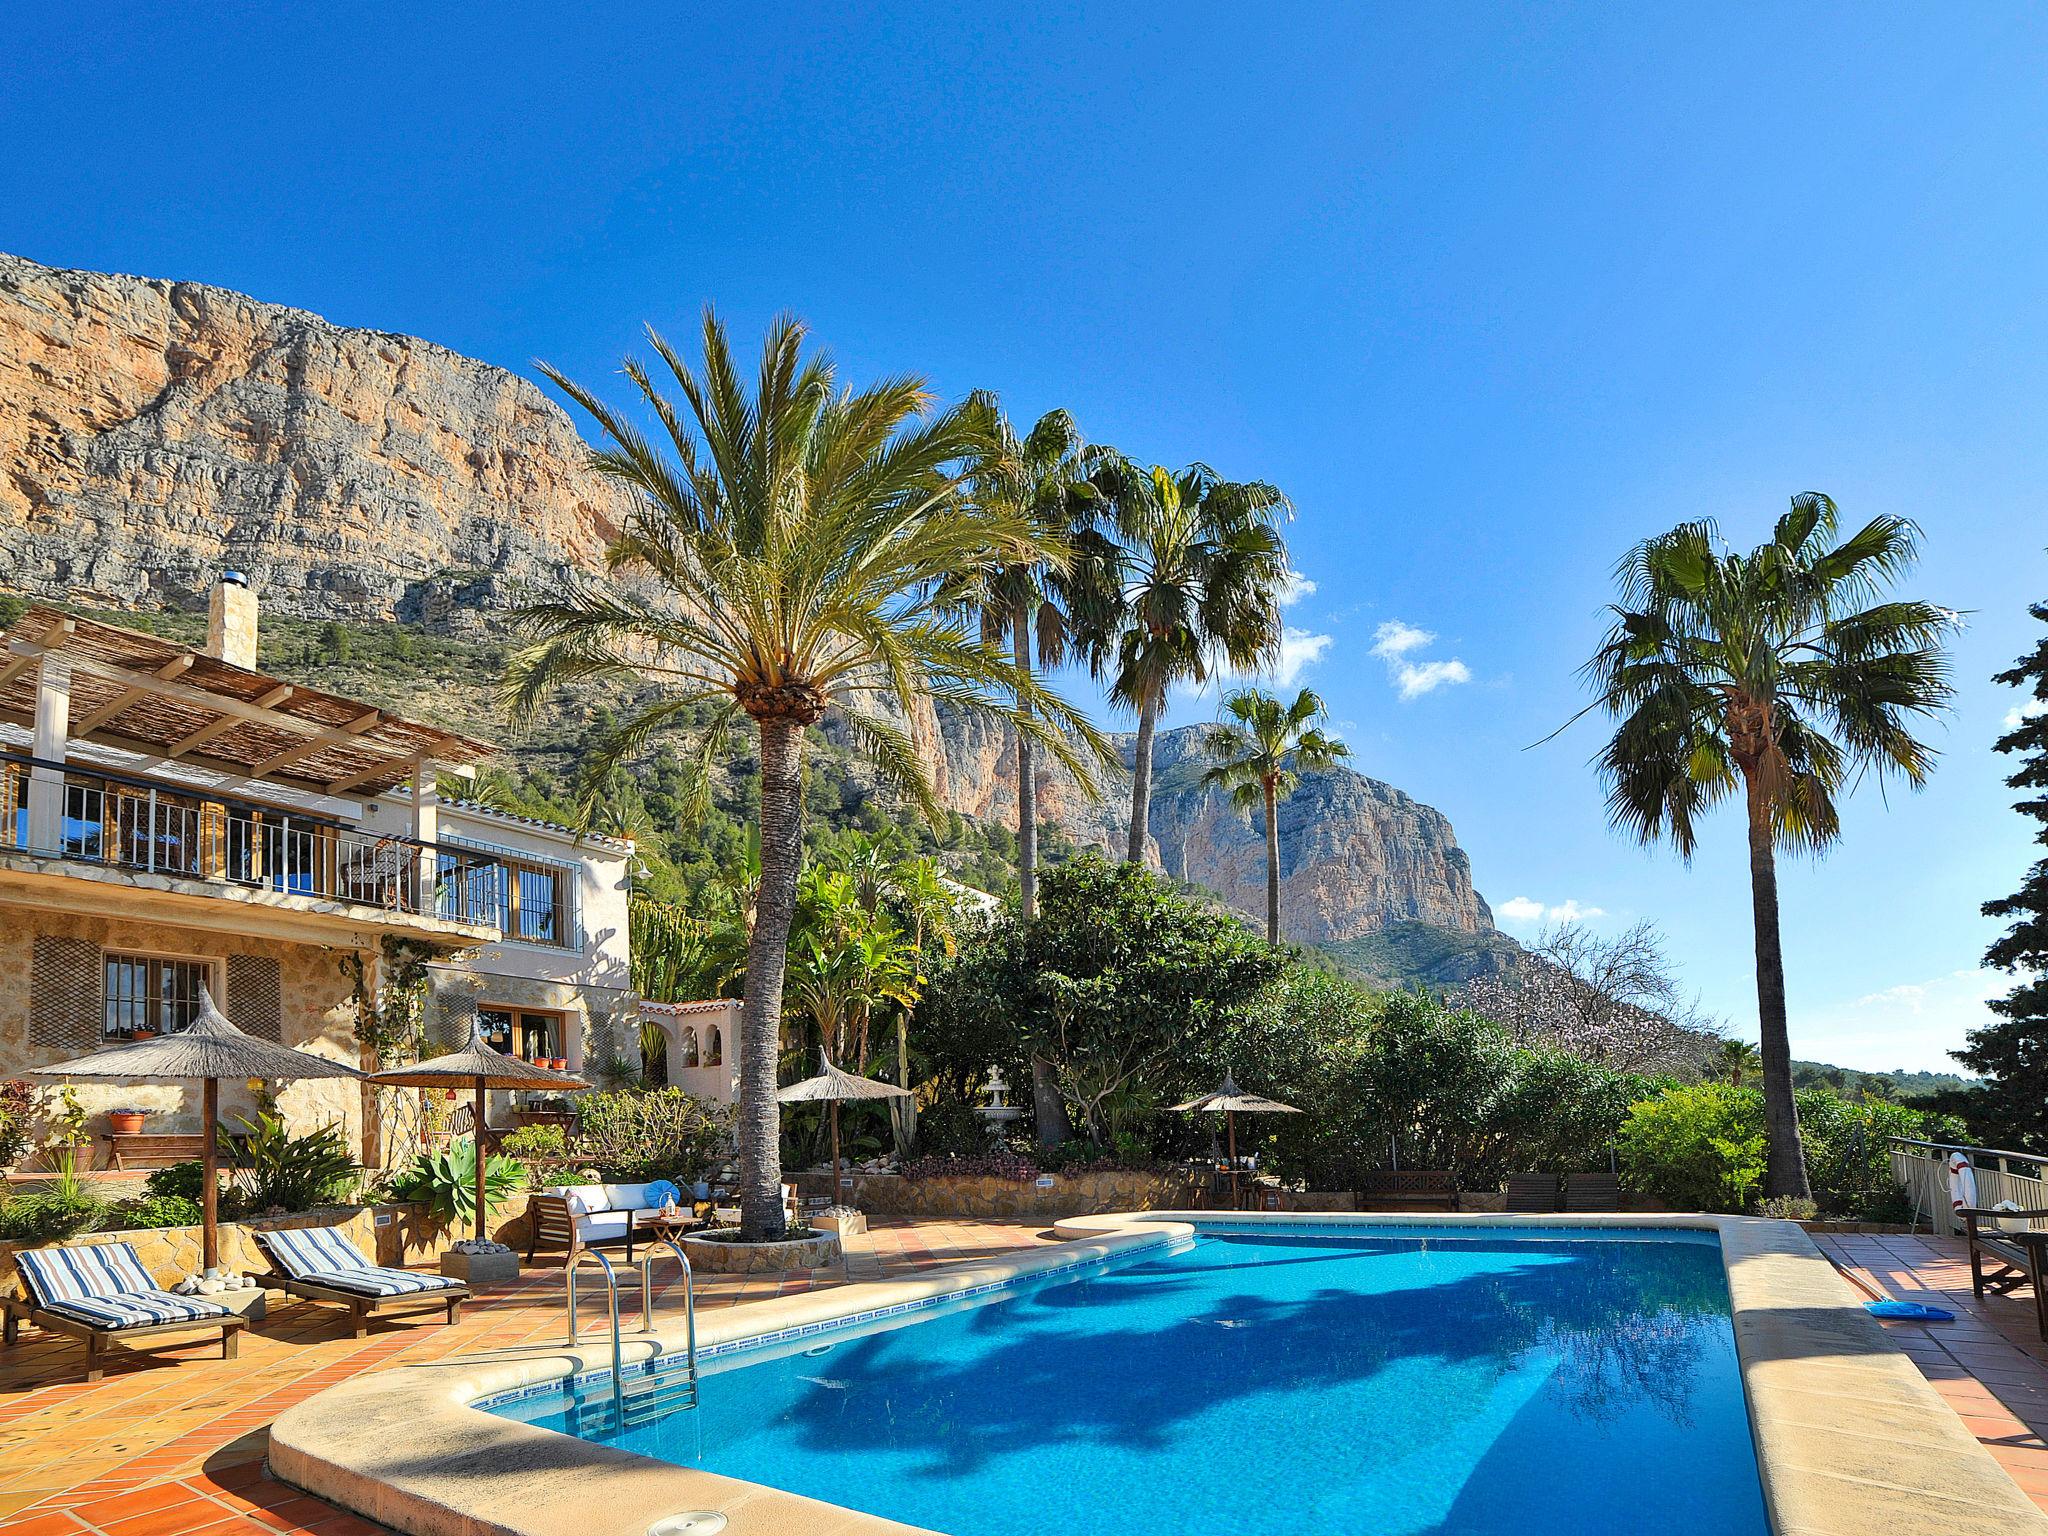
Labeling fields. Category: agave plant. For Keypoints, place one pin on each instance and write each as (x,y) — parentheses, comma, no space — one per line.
(444,1181)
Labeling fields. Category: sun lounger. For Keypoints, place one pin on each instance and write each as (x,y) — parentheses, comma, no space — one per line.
(1592,1192)
(100,1292)
(1534,1192)
(319,1264)
(2018,1257)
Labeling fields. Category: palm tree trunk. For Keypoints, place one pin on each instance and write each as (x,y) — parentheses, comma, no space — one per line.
(1272,866)
(760,1122)
(1027,784)
(1141,782)
(1785,1165)
(1048,1110)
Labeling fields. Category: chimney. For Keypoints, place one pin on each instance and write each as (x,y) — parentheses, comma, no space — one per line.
(231,621)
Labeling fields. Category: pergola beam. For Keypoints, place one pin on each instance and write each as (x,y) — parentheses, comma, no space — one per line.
(52,637)
(175,667)
(328,737)
(227,723)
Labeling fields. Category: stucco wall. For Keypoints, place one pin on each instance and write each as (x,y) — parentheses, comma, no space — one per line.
(317,1016)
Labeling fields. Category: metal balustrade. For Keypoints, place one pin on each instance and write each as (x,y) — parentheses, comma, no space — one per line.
(137,824)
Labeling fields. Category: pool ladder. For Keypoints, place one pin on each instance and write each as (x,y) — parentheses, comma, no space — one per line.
(653,1398)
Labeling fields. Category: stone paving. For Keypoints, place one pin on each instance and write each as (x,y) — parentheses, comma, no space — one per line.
(173,1444)
(1990,1364)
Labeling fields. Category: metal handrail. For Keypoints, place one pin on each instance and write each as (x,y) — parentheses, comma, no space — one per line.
(611,1285)
(1950,1146)
(689,1298)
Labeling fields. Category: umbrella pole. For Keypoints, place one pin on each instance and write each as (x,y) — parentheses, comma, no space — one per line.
(835,1151)
(481,1156)
(1230,1127)
(209,1247)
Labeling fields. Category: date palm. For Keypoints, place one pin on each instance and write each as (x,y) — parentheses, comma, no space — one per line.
(1041,480)
(1785,673)
(1259,751)
(1190,581)
(784,553)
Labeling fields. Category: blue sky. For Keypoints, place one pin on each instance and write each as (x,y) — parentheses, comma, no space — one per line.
(1492,292)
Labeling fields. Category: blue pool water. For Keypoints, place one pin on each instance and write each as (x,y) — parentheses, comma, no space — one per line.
(1378,1385)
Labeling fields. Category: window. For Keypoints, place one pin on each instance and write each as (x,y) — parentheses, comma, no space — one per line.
(539,917)
(151,995)
(525,899)
(521,1032)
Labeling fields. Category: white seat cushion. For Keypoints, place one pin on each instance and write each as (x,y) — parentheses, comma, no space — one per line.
(603,1225)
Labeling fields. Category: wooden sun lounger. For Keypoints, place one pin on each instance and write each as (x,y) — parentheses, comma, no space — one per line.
(362,1308)
(97,1338)
(2017,1258)
(1532,1193)
(1592,1192)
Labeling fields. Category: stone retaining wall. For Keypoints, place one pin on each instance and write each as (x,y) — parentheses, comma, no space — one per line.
(1078,1194)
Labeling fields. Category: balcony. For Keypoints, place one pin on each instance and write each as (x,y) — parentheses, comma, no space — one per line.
(138,838)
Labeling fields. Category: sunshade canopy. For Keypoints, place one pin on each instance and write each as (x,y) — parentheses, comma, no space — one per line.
(477,1064)
(1230,1099)
(832,1086)
(207,1048)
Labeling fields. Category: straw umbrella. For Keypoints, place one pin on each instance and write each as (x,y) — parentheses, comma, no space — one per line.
(478,1067)
(1234,1101)
(834,1087)
(210,1049)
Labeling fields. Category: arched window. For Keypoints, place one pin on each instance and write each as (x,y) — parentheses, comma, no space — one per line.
(714,1049)
(686,1051)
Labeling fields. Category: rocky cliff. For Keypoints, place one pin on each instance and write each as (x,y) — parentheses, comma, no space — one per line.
(1356,855)
(152,432)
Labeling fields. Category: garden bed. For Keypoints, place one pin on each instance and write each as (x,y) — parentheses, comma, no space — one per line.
(720,1252)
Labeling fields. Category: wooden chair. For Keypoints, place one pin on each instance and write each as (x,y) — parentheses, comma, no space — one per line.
(1590,1192)
(99,1292)
(2017,1258)
(1534,1192)
(319,1264)
(1428,1188)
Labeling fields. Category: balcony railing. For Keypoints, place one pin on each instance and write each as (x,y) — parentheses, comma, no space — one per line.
(1921,1167)
(136,824)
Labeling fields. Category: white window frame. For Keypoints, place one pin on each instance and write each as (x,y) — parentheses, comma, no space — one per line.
(210,977)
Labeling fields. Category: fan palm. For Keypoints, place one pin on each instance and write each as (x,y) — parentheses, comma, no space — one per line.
(1738,1060)
(788,544)
(1259,752)
(1190,580)
(1785,672)
(1042,481)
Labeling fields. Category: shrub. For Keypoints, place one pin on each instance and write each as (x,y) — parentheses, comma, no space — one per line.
(186,1181)
(445,1181)
(980,1165)
(157,1211)
(1699,1147)
(295,1173)
(1788,1208)
(950,1127)
(1848,1152)
(631,1137)
(17,1113)
(64,1209)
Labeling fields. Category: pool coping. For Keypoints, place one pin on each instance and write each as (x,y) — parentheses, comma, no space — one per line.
(1850,1437)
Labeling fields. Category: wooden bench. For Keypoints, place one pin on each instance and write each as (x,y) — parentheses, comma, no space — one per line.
(2016,1258)
(1430,1188)
(152,1149)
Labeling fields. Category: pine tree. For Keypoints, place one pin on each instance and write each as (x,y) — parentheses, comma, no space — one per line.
(2013,1051)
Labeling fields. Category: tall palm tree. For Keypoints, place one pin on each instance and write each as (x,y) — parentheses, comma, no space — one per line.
(1190,581)
(787,544)
(1785,672)
(1738,1060)
(1042,481)
(1259,752)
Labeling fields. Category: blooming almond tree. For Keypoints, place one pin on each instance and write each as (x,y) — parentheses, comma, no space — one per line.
(783,557)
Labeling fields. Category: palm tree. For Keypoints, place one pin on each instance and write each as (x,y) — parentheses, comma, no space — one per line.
(1738,1060)
(1190,581)
(1040,480)
(787,545)
(1259,755)
(1784,671)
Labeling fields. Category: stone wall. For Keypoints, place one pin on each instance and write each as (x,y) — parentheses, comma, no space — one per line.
(1080,1194)
(317,1016)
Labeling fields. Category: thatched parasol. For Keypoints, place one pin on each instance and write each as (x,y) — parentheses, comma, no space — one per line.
(210,1049)
(1234,1101)
(478,1067)
(834,1087)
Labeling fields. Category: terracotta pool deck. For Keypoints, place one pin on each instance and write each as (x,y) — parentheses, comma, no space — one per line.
(161,1449)
(164,1449)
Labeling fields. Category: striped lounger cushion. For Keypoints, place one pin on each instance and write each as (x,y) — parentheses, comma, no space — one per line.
(104,1284)
(322,1256)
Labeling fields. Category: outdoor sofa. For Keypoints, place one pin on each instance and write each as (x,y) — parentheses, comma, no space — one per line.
(100,1292)
(2017,1257)
(573,1217)
(319,1264)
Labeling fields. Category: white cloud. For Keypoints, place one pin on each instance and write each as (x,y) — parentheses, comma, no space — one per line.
(2033,709)
(1299,650)
(1395,643)
(1910,1024)
(1294,587)
(1526,912)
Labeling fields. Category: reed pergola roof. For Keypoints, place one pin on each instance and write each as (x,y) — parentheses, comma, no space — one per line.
(142,693)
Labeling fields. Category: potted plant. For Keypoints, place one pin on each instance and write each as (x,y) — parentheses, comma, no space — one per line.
(127,1122)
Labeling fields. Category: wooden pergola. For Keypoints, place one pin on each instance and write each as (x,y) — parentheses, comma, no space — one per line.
(74,679)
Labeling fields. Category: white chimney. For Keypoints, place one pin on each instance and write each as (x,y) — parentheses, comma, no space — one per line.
(231,621)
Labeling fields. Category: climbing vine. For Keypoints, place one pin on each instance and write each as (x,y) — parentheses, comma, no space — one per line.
(391,1019)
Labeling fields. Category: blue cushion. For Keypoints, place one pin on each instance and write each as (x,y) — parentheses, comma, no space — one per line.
(303,1251)
(379,1282)
(92,1269)
(136,1309)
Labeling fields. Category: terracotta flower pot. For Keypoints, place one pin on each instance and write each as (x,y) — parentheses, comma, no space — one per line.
(127,1122)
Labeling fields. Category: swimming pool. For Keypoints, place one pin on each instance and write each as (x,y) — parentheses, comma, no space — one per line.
(1394,1380)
